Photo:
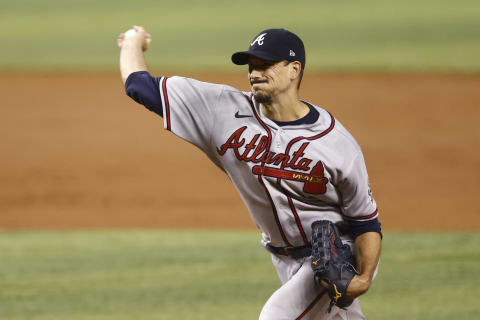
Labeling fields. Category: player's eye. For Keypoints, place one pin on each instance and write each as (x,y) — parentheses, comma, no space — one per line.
(260,66)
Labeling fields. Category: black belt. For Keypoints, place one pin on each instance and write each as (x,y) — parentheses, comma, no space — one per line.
(293,252)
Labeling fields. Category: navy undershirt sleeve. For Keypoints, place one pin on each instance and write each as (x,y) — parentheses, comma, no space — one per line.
(357,228)
(143,88)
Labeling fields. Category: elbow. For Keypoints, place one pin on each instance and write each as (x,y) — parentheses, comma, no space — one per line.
(131,86)
(125,75)
(130,89)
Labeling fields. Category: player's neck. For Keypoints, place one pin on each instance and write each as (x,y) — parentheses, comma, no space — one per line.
(285,108)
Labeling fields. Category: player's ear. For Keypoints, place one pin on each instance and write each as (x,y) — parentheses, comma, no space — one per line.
(295,69)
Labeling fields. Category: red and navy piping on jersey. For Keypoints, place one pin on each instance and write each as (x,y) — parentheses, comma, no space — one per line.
(164,94)
(311,305)
(317,187)
(260,180)
(297,220)
(314,137)
(317,173)
(365,217)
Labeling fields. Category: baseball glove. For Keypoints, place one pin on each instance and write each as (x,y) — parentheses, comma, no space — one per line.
(332,262)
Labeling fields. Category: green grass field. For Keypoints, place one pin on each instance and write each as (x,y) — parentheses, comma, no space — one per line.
(378,35)
(214,275)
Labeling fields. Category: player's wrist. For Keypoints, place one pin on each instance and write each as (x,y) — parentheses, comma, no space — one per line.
(358,286)
(132,44)
(363,283)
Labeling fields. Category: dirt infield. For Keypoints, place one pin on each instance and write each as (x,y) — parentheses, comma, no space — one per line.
(77,153)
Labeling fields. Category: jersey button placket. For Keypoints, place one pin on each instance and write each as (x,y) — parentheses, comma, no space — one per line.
(278,140)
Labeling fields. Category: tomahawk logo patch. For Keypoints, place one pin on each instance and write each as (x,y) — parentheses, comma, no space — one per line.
(315,182)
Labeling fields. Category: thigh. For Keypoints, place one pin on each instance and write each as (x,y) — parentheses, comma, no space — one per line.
(301,298)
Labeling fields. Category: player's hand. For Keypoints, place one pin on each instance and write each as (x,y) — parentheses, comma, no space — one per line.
(137,37)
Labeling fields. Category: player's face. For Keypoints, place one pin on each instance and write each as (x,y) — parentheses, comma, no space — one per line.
(268,78)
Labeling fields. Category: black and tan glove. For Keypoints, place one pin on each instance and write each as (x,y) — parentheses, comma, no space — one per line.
(332,262)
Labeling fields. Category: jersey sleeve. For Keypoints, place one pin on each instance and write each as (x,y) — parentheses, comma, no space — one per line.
(189,109)
(357,200)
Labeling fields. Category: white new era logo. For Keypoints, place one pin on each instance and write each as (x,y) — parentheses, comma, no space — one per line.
(259,40)
(292,54)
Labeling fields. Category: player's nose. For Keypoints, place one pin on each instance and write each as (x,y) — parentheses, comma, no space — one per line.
(255,75)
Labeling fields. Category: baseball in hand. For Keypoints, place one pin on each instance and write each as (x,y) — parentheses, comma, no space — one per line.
(130,33)
(145,39)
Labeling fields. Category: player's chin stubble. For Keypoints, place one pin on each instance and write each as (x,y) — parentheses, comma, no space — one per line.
(262,98)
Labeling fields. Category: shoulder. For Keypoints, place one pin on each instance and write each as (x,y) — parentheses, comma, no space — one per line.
(190,82)
(220,91)
(337,133)
(337,145)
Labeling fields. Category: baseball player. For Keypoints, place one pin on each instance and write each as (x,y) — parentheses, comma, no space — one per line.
(291,161)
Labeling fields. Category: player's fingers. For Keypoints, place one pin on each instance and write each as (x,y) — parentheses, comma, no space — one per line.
(120,39)
(146,44)
(324,284)
(147,39)
(139,28)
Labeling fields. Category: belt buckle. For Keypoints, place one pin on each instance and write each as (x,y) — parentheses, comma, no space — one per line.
(285,249)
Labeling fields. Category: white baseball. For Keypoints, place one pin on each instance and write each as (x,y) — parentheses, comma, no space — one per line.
(130,33)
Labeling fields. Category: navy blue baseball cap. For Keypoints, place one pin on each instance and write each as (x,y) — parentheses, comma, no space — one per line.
(273,45)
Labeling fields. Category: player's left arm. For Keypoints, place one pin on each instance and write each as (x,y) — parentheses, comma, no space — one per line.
(361,212)
(367,252)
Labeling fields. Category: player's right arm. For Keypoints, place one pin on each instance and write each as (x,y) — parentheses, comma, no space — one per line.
(132,44)
(186,105)
(139,84)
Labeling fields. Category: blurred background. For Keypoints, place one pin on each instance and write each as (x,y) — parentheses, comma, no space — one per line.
(101,211)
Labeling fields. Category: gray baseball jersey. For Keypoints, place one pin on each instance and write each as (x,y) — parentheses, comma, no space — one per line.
(288,176)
